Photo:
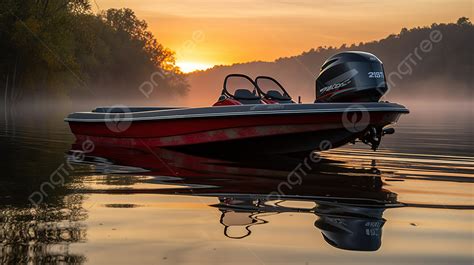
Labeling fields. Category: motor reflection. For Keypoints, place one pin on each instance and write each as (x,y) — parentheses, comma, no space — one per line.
(344,226)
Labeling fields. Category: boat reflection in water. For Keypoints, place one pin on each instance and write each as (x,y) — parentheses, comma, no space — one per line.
(348,202)
(349,227)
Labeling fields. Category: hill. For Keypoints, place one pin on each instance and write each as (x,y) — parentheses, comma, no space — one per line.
(433,61)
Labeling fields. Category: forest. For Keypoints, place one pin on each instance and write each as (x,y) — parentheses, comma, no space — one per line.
(60,51)
(430,62)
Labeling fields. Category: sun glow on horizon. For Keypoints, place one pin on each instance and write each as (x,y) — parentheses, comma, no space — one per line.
(213,32)
(188,67)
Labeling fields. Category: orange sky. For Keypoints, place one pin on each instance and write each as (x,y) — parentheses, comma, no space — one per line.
(209,32)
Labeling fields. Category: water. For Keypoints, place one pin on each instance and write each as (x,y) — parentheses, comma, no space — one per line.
(411,202)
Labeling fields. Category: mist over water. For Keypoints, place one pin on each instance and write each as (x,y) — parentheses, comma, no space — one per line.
(121,206)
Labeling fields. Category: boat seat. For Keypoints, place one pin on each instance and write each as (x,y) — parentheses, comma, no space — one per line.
(277,95)
(244,96)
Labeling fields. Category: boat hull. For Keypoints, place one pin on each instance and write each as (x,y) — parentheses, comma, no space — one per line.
(277,132)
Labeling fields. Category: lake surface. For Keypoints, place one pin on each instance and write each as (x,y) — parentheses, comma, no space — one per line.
(411,202)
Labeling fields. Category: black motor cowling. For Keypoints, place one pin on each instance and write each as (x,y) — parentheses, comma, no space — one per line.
(351,76)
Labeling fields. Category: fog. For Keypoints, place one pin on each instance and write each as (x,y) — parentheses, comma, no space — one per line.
(431,102)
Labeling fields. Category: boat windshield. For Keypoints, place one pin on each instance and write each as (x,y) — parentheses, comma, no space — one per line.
(240,86)
(270,88)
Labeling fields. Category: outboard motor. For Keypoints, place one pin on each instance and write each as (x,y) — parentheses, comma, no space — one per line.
(351,76)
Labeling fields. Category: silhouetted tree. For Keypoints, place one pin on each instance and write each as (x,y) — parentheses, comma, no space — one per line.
(60,49)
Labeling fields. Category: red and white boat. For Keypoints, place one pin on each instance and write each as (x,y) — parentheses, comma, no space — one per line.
(258,116)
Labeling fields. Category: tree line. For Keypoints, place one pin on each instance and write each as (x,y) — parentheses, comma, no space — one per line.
(60,49)
(422,62)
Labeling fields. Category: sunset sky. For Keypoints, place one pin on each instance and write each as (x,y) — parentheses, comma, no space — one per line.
(209,32)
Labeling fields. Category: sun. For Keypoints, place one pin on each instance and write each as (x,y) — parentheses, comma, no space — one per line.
(187,67)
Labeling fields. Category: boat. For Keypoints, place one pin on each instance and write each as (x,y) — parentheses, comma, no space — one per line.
(258,116)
